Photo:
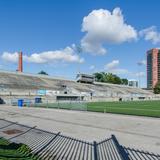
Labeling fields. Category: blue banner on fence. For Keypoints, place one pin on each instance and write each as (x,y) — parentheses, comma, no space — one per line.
(41,92)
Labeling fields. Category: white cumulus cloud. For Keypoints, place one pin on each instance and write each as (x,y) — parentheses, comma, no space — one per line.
(113,67)
(150,34)
(10,57)
(102,26)
(65,55)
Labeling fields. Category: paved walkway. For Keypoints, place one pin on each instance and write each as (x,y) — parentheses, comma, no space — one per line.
(137,132)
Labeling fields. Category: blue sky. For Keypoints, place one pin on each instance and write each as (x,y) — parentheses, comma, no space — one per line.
(38,26)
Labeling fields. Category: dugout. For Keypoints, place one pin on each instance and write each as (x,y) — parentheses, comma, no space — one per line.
(69,98)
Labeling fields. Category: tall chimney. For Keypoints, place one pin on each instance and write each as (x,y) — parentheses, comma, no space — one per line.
(20,62)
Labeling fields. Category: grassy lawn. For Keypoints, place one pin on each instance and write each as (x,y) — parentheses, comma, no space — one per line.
(13,151)
(139,108)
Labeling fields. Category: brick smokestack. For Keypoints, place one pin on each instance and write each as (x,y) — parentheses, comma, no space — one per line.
(20,62)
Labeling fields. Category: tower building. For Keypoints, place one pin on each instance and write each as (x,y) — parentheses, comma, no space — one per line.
(153,67)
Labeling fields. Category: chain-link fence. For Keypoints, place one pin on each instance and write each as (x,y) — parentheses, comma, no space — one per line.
(71,105)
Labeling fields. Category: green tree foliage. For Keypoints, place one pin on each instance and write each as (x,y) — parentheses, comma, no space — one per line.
(43,72)
(117,80)
(124,81)
(109,78)
(157,88)
(100,77)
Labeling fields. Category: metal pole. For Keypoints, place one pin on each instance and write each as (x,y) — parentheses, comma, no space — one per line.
(95,150)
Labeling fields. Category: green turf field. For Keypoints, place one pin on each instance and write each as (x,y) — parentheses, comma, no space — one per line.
(139,108)
(13,151)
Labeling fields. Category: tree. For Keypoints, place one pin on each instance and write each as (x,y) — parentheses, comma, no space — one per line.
(117,80)
(43,72)
(109,78)
(124,81)
(157,88)
(100,77)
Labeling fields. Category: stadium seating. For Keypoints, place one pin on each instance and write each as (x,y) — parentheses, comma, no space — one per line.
(29,82)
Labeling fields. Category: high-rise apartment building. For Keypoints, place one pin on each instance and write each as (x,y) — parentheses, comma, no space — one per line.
(153,67)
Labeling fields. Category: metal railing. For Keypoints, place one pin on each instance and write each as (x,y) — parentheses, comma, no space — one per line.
(48,145)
